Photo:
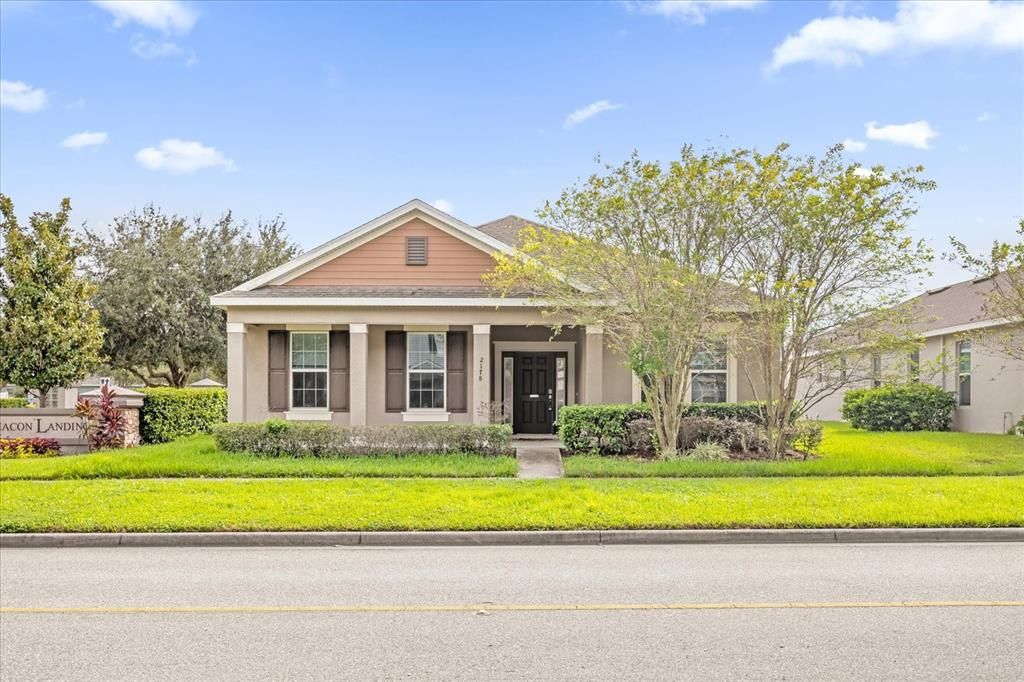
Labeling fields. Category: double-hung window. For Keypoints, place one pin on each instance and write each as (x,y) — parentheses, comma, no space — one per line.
(426,362)
(708,374)
(963,352)
(914,366)
(876,370)
(309,370)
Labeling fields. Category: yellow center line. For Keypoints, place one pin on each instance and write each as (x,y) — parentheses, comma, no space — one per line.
(439,608)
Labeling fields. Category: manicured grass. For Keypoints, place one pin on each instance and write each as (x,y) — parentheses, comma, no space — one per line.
(403,504)
(844,452)
(198,457)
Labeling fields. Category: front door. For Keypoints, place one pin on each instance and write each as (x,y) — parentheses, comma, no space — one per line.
(533,409)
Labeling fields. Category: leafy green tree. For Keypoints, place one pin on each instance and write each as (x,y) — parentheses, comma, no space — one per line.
(156,273)
(642,250)
(1004,264)
(829,256)
(50,335)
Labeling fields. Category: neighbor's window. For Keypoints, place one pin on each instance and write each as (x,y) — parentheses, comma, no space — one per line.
(876,370)
(426,370)
(708,375)
(914,366)
(309,369)
(963,352)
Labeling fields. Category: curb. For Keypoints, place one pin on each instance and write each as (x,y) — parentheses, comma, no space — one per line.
(513,538)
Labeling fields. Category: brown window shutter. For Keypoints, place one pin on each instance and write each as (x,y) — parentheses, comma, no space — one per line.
(277,341)
(456,379)
(338,364)
(394,370)
(415,250)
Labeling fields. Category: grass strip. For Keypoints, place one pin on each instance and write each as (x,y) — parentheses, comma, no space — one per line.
(491,504)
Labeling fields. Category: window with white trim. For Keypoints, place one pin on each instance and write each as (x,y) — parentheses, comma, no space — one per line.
(426,358)
(876,370)
(708,374)
(309,369)
(963,352)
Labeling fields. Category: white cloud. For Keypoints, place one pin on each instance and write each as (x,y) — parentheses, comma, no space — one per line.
(854,145)
(862,172)
(148,49)
(589,111)
(917,134)
(443,205)
(182,156)
(690,11)
(164,15)
(985,117)
(846,40)
(21,96)
(86,139)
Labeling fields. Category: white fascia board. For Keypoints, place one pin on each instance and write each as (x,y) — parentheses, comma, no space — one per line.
(335,246)
(225,301)
(970,326)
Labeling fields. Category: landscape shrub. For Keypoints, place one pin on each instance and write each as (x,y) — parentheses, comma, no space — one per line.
(104,421)
(732,434)
(909,407)
(605,429)
(169,413)
(806,435)
(640,438)
(277,438)
(708,451)
(1018,430)
(15,402)
(20,448)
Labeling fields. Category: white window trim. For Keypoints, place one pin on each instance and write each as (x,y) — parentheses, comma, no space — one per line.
(411,413)
(960,373)
(309,413)
(728,371)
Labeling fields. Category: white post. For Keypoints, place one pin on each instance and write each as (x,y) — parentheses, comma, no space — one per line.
(481,369)
(593,365)
(236,371)
(358,335)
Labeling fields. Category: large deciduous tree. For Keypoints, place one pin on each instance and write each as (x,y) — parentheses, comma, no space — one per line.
(156,273)
(50,335)
(830,256)
(641,250)
(1004,264)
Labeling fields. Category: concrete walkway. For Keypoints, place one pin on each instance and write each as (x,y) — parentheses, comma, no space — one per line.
(539,458)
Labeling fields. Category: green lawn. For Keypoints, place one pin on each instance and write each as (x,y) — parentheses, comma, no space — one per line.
(844,452)
(198,457)
(404,504)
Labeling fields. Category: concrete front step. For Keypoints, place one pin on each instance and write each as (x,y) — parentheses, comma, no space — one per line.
(539,459)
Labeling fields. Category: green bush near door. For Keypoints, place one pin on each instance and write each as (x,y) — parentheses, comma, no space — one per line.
(169,413)
(910,407)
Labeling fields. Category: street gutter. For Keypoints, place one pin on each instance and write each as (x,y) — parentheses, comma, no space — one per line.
(513,538)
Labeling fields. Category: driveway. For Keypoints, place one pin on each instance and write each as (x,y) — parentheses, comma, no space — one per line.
(780,612)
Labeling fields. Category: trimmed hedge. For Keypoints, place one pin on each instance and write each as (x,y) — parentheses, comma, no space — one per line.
(169,413)
(909,407)
(605,428)
(15,402)
(278,438)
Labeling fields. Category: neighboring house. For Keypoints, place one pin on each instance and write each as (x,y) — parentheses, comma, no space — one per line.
(959,354)
(391,323)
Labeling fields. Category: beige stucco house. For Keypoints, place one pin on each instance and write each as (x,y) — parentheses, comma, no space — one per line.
(391,323)
(960,352)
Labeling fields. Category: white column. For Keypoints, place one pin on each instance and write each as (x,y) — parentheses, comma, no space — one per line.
(637,393)
(359,357)
(593,365)
(236,371)
(480,395)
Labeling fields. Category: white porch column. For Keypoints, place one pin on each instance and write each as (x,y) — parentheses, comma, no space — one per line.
(593,365)
(481,368)
(236,371)
(637,393)
(359,357)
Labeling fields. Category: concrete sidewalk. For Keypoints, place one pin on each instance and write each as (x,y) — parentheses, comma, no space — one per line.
(539,458)
(515,538)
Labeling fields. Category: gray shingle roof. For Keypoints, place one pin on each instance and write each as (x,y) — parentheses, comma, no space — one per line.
(951,306)
(507,229)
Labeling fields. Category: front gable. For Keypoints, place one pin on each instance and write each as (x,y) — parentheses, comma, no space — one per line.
(382,261)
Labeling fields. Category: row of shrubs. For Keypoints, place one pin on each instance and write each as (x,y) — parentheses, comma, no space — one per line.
(278,438)
(170,413)
(13,403)
(622,429)
(907,407)
(20,448)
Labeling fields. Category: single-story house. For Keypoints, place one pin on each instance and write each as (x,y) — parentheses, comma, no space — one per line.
(960,353)
(390,323)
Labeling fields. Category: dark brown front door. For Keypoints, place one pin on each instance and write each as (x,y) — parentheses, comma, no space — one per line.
(533,394)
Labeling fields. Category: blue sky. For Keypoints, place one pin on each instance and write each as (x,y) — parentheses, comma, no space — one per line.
(332,113)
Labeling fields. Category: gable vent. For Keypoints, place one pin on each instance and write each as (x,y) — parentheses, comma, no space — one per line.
(415,250)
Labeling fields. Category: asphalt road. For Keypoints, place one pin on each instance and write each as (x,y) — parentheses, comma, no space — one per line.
(814,612)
